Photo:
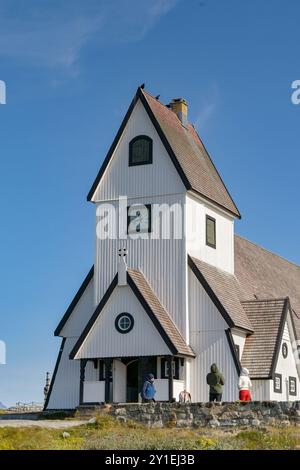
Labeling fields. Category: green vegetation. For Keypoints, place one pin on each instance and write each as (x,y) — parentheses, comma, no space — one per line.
(107,433)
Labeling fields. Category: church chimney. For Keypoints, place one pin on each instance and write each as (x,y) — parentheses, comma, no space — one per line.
(180,107)
(122,267)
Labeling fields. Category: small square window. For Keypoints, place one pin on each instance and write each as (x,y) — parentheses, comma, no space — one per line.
(139,219)
(210,231)
(293,386)
(165,368)
(277,383)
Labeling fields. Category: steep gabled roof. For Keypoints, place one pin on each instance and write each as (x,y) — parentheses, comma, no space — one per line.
(157,313)
(262,274)
(185,149)
(192,156)
(74,302)
(261,349)
(161,317)
(223,288)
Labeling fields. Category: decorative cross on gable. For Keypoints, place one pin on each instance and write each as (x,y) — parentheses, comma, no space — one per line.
(122,252)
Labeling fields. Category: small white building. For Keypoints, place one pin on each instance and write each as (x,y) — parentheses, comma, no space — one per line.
(186,297)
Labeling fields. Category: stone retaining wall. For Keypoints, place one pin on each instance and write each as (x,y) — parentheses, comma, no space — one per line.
(185,415)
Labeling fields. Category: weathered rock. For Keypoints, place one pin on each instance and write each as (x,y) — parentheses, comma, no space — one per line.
(213,423)
(92,420)
(225,415)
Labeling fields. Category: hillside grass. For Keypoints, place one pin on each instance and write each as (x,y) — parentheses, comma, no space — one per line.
(108,434)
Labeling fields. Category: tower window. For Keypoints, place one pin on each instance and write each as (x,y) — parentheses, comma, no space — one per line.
(140,150)
(210,231)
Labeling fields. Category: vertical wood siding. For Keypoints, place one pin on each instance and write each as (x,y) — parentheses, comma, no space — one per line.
(222,256)
(286,366)
(239,339)
(260,390)
(81,313)
(209,341)
(163,262)
(105,341)
(65,390)
(160,177)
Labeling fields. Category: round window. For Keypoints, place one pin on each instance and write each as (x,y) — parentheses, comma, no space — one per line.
(124,323)
(285,350)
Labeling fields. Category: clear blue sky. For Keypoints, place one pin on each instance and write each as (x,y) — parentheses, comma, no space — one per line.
(71,69)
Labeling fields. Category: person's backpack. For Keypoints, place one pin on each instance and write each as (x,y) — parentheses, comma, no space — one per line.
(213,379)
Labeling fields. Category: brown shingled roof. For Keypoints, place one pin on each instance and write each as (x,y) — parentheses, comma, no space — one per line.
(185,149)
(159,316)
(262,274)
(261,348)
(224,290)
(150,301)
(192,156)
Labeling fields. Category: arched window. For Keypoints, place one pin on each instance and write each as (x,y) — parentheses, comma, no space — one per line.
(140,150)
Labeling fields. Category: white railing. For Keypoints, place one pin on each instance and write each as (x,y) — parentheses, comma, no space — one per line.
(162,389)
(93,391)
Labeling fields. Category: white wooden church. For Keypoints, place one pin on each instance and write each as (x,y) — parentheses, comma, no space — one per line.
(174,305)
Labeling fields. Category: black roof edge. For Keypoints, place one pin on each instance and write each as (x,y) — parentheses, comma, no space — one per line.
(286,309)
(74,302)
(215,203)
(148,309)
(236,359)
(101,305)
(113,146)
(138,95)
(211,293)
(94,317)
(62,345)
(237,214)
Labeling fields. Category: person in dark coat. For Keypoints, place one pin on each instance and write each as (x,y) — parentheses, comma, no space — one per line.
(148,390)
(215,380)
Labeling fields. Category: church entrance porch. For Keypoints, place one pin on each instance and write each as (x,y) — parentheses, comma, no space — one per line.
(119,380)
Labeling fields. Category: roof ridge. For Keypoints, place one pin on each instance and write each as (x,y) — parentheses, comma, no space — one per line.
(157,100)
(268,251)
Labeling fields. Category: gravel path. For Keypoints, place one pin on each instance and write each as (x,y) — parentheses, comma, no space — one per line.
(46,423)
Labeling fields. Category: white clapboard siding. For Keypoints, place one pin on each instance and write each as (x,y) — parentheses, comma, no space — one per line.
(105,341)
(65,390)
(223,255)
(286,366)
(93,391)
(163,262)
(160,177)
(260,390)
(210,344)
(204,316)
(239,339)
(91,373)
(81,313)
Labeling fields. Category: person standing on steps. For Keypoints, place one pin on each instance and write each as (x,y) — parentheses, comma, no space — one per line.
(216,381)
(244,385)
(148,390)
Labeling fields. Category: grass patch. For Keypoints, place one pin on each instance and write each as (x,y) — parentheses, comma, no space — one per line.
(108,434)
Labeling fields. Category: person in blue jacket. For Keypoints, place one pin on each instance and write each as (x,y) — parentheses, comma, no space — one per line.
(148,390)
